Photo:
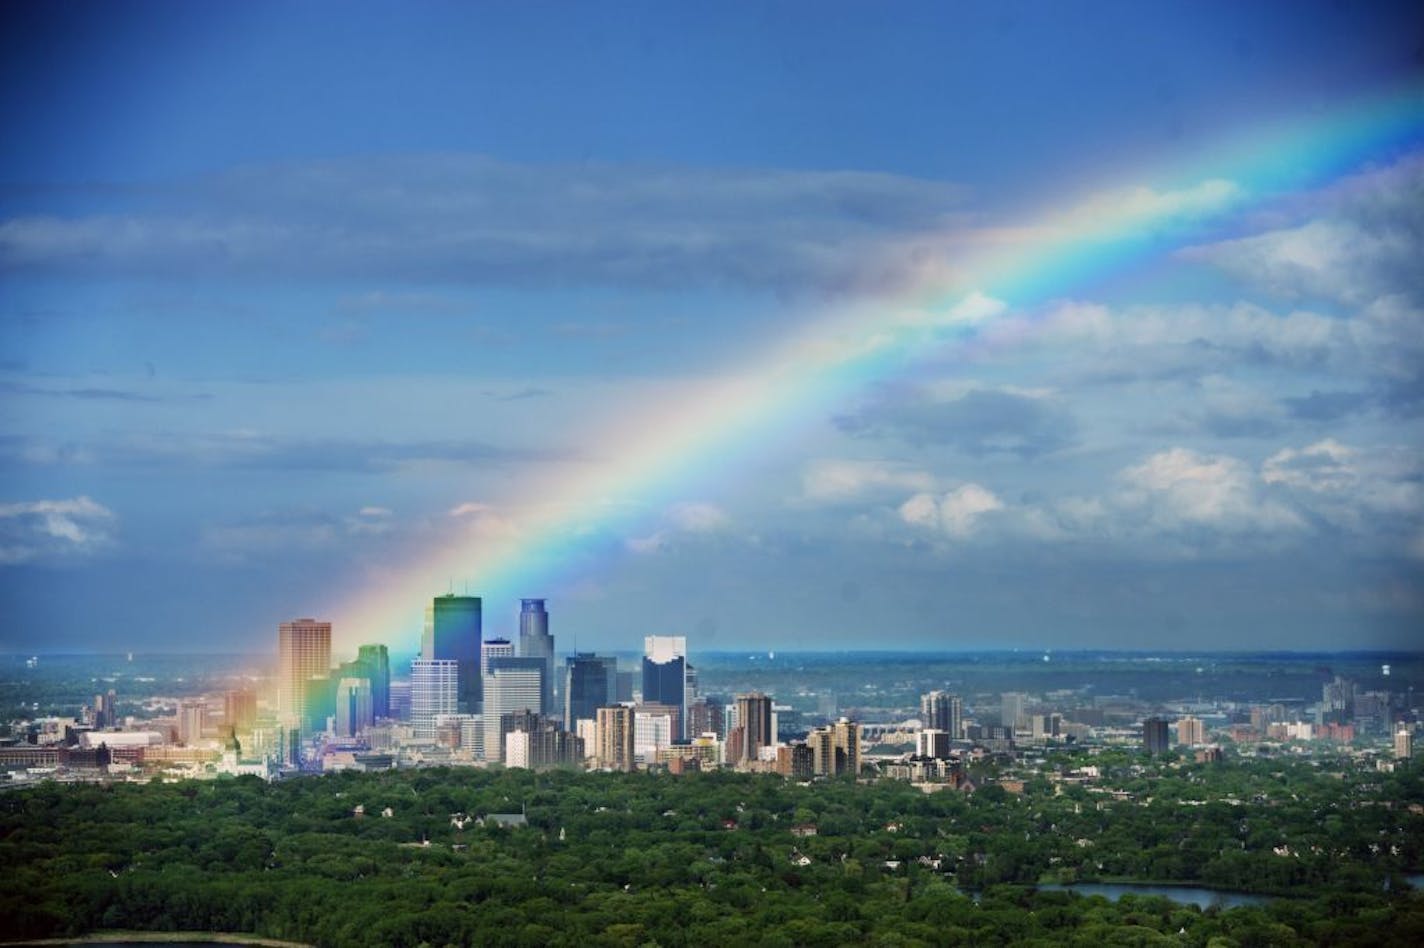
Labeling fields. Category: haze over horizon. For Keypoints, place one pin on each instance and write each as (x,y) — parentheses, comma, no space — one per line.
(291,296)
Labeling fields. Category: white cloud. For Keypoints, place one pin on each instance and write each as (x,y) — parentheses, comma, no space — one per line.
(53,529)
(831,480)
(697,517)
(956,513)
(1323,466)
(1180,488)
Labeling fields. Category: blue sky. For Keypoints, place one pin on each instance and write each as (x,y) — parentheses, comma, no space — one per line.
(290,294)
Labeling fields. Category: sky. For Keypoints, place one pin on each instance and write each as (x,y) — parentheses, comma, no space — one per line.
(777,326)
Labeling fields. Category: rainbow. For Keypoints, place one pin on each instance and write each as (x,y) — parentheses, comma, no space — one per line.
(663,454)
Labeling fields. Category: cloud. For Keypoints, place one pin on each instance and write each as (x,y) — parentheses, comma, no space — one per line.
(471,219)
(1354,242)
(956,513)
(976,421)
(251,450)
(53,530)
(1180,489)
(832,480)
(689,518)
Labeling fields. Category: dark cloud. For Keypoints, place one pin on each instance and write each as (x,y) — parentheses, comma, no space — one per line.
(469,219)
(979,422)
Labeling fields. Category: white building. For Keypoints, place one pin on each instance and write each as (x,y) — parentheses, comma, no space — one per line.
(434,690)
(509,688)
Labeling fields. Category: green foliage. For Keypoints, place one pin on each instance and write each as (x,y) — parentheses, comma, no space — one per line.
(639,859)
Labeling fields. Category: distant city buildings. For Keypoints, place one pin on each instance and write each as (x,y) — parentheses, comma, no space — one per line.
(453,632)
(536,642)
(303,652)
(665,674)
(1154,735)
(434,691)
(943,711)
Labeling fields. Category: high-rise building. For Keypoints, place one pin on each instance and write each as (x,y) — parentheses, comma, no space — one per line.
(492,649)
(1337,698)
(1191,731)
(1403,743)
(400,699)
(106,712)
(512,685)
(536,642)
(1154,736)
(653,728)
(240,710)
(378,665)
(192,714)
(434,691)
(453,632)
(942,711)
(354,706)
(705,716)
(616,738)
(835,749)
(932,742)
(754,726)
(319,702)
(303,651)
(665,674)
(1013,706)
(589,684)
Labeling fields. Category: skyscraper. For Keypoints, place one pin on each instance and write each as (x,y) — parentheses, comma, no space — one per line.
(1012,707)
(536,642)
(303,651)
(665,674)
(492,649)
(453,631)
(1154,736)
(512,685)
(434,690)
(354,706)
(378,663)
(588,685)
(192,714)
(754,725)
(942,711)
(615,738)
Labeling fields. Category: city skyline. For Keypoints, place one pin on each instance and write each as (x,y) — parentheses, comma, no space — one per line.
(1082,327)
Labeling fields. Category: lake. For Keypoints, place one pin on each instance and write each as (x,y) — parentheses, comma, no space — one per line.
(1186,894)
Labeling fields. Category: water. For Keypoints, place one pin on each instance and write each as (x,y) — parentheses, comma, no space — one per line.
(1186,894)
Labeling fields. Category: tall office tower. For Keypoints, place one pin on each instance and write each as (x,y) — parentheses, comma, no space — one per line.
(1012,708)
(303,650)
(665,674)
(354,706)
(942,711)
(191,716)
(1403,743)
(105,710)
(693,689)
(931,742)
(492,649)
(320,702)
(1191,731)
(378,665)
(589,684)
(400,699)
(536,642)
(1337,698)
(512,684)
(653,729)
(705,716)
(1154,736)
(754,726)
(615,738)
(434,690)
(240,710)
(453,631)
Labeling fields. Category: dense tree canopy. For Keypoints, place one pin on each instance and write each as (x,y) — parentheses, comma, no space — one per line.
(634,859)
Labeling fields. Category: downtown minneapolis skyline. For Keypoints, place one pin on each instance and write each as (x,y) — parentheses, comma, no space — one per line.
(929,326)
